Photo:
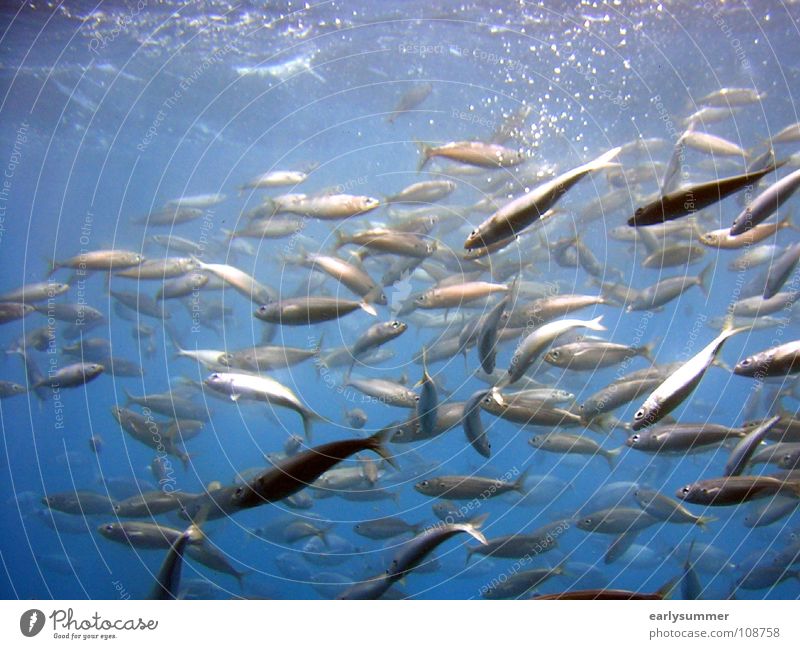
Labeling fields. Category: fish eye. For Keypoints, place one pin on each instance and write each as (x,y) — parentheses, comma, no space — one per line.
(745,362)
(424,483)
(635,438)
(395,324)
(109,528)
(587,521)
(685,491)
(555,353)
(639,211)
(639,414)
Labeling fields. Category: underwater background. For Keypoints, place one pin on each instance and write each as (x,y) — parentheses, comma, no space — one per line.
(111,109)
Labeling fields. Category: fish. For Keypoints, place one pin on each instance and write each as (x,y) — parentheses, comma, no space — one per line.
(668,289)
(288,477)
(591,355)
(727,97)
(168,267)
(780,270)
(616,520)
(689,200)
(188,284)
(11,389)
(479,154)
(454,296)
(410,99)
(36,292)
(170,215)
(765,204)
(384,391)
(427,191)
(265,357)
(711,144)
(473,427)
(99,260)
(167,584)
(746,446)
(428,402)
(525,210)
(375,336)
(574,444)
(723,240)
(81,502)
(70,376)
(407,244)
(531,347)
(240,281)
(275,178)
(673,255)
(665,509)
(680,384)
(734,490)
(386,528)
(329,207)
(309,310)
(198,201)
(682,438)
(353,277)
(261,388)
(468,487)
(10,311)
(521,583)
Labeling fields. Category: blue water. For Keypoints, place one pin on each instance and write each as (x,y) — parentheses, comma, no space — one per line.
(107,112)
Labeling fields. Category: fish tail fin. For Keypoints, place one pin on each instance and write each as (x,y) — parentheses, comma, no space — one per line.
(596,325)
(519,483)
(424,153)
(128,396)
(665,592)
(561,568)
(338,239)
(378,442)
(705,277)
(309,418)
(52,266)
(612,456)
(470,552)
(604,161)
(239,576)
(186,459)
(473,527)
(647,351)
(704,521)
(425,374)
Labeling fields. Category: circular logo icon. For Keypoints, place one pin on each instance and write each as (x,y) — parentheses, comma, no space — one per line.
(31,622)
